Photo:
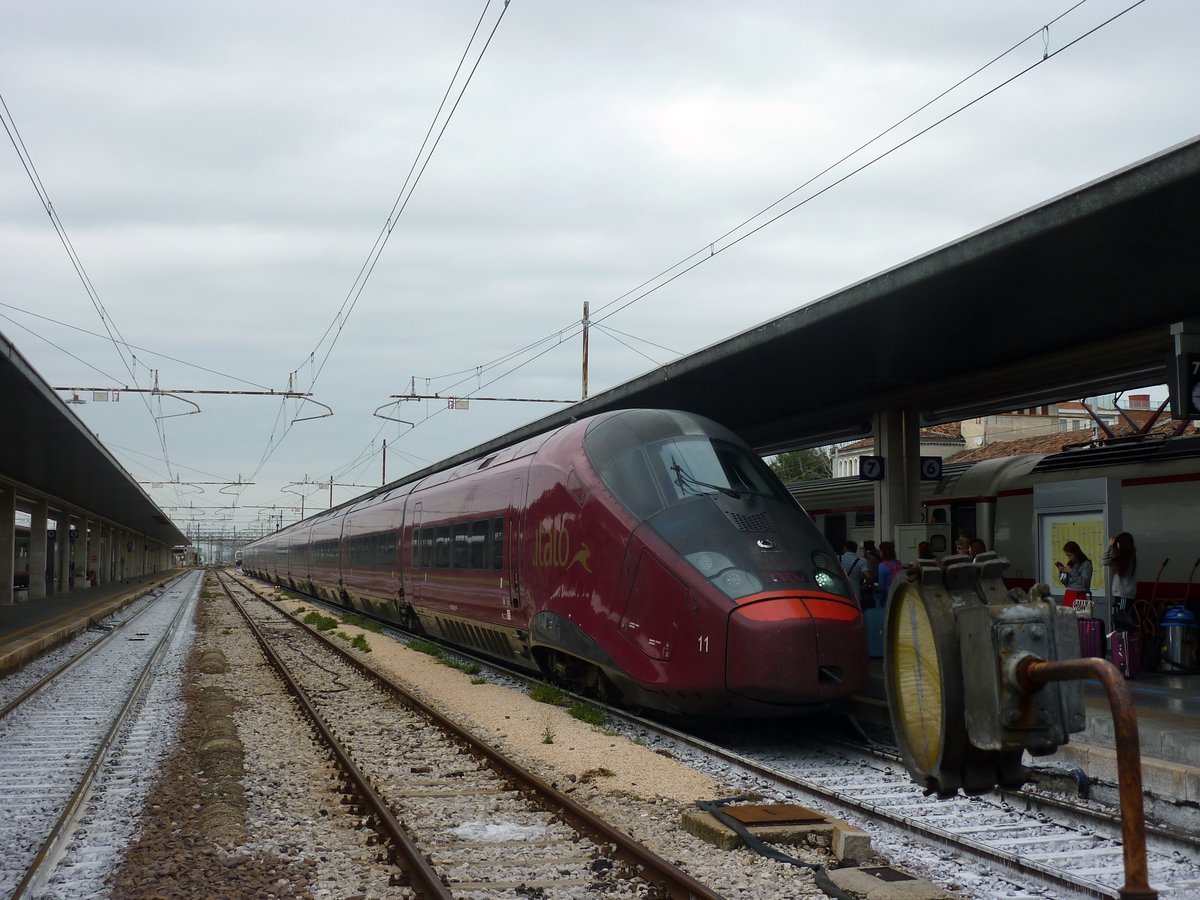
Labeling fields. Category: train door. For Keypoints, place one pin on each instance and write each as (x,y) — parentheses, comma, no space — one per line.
(415,571)
(963,518)
(514,522)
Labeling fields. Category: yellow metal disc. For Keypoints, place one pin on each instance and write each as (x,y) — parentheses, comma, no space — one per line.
(916,671)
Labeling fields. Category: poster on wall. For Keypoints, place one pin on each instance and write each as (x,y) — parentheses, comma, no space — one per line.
(1084,528)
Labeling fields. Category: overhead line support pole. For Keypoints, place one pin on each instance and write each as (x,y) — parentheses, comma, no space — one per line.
(586,324)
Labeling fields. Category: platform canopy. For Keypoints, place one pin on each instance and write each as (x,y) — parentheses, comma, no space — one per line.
(1072,298)
(48,451)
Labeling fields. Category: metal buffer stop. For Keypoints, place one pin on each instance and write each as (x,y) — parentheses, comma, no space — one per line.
(977,673)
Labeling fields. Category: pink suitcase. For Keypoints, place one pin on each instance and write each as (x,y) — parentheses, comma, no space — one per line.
(1127,653)
(1091,637)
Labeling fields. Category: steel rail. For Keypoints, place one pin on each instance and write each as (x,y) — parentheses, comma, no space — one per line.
(941,837)
(36,870)
(67,664)
(676,883)
(425,879)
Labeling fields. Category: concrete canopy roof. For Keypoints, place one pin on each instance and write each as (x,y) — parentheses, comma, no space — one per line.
(50,451)
(1069,299)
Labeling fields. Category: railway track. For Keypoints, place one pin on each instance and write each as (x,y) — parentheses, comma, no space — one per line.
(1033,845)
(14,688)
(59,736)
(1029,840)
(460,818)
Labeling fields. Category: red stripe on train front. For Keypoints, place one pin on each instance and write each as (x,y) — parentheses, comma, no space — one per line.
(795,648)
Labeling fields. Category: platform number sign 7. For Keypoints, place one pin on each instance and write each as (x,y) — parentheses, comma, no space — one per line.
(870,468)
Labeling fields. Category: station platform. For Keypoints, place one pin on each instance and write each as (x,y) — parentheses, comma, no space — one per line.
(1168,711)
(33,626)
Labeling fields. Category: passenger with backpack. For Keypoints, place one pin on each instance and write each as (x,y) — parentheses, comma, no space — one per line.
(856,568)
(889,566)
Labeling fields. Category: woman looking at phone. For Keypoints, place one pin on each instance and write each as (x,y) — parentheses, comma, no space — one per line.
(1075,574)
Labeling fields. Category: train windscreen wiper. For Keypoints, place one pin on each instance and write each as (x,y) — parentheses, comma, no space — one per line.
(686,481)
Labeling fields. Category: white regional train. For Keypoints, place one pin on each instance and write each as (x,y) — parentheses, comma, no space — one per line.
(1026,507)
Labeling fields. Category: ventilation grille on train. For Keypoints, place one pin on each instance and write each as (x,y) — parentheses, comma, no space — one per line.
(757,522)
(485,639)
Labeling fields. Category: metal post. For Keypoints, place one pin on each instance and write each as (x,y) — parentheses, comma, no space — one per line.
(1033,674)
(383,480)
(586,324)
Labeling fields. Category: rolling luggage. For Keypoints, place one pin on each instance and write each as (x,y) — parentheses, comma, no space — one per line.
(1091,636)
(1127,653)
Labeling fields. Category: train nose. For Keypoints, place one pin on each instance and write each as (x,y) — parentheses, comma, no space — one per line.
(791,649)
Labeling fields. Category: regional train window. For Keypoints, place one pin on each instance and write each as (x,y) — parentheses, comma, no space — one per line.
(461,554)
(498,543)
(441,547)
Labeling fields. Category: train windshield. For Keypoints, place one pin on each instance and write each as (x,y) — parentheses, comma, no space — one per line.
(714,502)
(650,468)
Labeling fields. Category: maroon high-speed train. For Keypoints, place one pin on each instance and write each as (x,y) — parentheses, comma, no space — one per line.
(643,554)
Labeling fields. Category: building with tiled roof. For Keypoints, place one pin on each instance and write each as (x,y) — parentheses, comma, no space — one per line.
(1041,429)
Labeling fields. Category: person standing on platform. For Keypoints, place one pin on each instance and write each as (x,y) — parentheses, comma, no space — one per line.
(888,567)
(855,566)
(1121,558)
(1075,573)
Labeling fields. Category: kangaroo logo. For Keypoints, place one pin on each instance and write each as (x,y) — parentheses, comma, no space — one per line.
(582,555)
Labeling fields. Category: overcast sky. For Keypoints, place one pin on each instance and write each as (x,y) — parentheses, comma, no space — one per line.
(223,171)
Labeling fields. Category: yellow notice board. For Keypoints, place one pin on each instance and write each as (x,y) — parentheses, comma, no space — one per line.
(1087,530)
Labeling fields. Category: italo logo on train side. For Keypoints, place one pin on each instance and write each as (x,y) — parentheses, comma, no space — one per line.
(552,547)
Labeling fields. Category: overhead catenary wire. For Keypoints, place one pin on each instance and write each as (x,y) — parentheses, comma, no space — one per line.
(139,349)
(110,326)
(710,249)
(416,171)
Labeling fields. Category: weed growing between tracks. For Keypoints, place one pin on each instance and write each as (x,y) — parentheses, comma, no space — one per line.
(544,692)
(320,622)
(362,622)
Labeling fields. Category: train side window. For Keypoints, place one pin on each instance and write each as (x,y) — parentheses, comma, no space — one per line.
(498,543)
(461,553)
(629,477)
(416,547)
(479,536)
(428,541)
(441,547)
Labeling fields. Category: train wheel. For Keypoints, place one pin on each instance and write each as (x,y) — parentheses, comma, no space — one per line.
(604,690)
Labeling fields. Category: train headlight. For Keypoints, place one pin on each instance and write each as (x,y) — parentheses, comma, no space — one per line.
(738,583)
(827,581)
(709,562)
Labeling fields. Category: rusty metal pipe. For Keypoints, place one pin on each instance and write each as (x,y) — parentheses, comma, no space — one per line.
(1032,675)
